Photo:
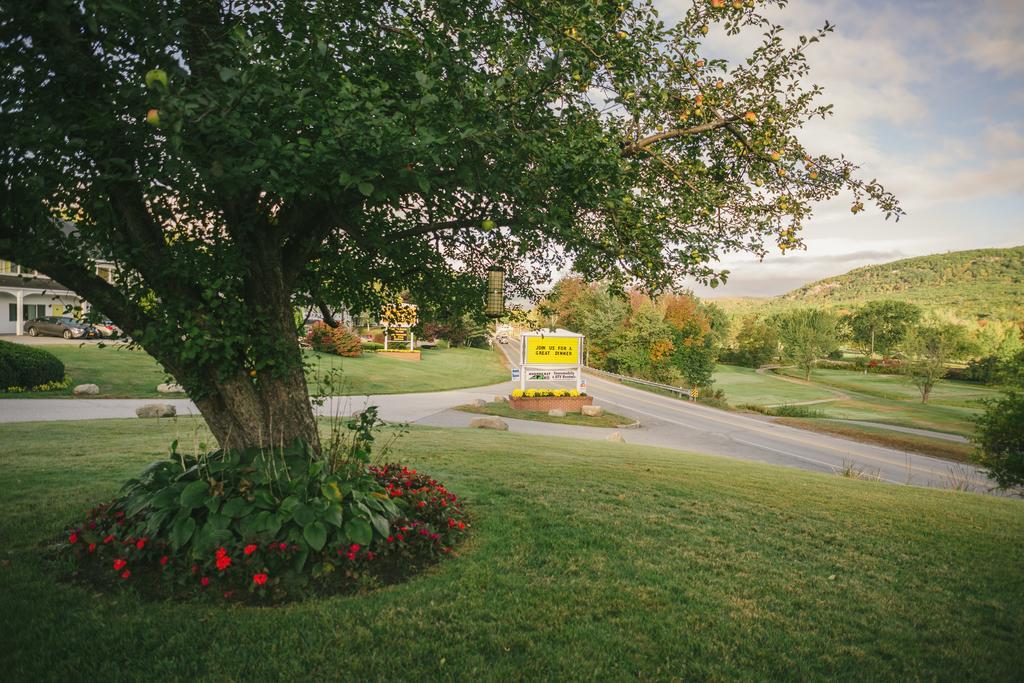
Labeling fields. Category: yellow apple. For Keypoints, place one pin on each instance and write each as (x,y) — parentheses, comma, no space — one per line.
(156,76)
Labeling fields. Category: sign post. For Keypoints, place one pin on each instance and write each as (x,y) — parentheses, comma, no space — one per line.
(551,356)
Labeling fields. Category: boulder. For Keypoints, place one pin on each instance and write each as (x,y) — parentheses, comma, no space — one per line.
(156,410)
(592,411)
(170,389)
(615,437)
(489,423)
(480,403)
(501,399)
(556,412)
(86,390)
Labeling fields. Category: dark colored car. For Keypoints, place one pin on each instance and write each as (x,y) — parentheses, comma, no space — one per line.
(59,326)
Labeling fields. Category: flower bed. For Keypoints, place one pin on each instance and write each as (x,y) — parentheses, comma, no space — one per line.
(571,401)
(403,354)
(224,527)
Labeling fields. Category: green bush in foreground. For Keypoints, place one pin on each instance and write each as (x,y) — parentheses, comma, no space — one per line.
(26,367)
(266,526)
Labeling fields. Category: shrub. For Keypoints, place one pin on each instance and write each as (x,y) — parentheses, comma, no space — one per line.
(27,367)
(371,346)
(795,411)
(835,354)
(267,527)
(337,340)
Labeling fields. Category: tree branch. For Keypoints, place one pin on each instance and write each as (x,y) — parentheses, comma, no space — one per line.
(643,143)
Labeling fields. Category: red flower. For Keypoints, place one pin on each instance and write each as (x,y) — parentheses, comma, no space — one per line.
(163,560)
(221,552)
(140,544)
(423,504)
(251,548)
(354,548)
(391,539)
(223,562)
(259,579)
(73,538)
(195,569)
(462,525)
(282,546)
(205,581)
(92,547)
(119,564)
(108,539)
(125,574)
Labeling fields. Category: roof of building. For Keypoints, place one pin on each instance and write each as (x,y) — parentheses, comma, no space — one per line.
(29,282)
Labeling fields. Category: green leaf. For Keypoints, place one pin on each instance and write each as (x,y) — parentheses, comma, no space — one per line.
(194,494)
(315,535)
(366,188)
(236,507)
(303,514)
(380,523)
(332,492)
(181,531)
(359,531)
(334,515)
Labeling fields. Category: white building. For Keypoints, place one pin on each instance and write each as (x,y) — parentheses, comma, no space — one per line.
(26,294)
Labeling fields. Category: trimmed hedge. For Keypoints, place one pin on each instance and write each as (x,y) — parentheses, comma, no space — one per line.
(27,366)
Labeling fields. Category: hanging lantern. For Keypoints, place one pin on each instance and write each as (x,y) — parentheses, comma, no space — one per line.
(495,305)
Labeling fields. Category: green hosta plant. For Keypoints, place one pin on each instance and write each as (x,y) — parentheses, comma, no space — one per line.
(274,522)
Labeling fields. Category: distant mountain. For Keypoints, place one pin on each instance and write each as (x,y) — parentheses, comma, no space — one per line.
(974,284)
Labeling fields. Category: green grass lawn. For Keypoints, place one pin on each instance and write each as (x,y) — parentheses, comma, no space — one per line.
(119,372)
(578,419)
(745,385)
(123,373)
(899,387)
(588,560)
(892,399)
(439,370)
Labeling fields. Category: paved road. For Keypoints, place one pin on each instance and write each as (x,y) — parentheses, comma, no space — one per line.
(675,423)
(666,422)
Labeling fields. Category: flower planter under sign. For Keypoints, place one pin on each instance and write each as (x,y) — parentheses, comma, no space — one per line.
(570,404)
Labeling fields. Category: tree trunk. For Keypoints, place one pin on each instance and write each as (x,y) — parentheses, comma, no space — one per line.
(265,404)
(260,412)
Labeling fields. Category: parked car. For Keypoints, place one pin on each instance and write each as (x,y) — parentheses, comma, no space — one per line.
(107,328)
(59,326)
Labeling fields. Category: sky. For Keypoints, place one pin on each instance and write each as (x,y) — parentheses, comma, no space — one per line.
(929,98)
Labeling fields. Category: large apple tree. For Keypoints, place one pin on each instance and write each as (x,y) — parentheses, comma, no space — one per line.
(236,157)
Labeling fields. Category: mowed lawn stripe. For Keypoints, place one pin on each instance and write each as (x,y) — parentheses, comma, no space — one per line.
(587,560)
